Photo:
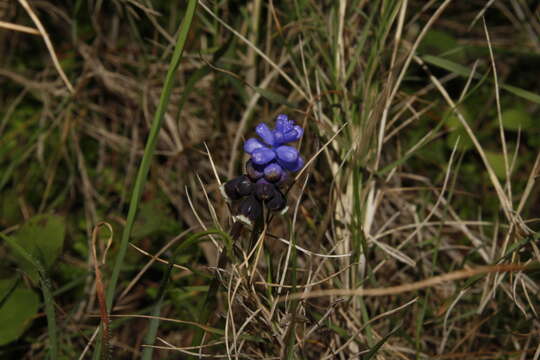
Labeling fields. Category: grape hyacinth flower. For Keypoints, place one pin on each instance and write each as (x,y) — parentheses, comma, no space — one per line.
(272,157)
(270,163)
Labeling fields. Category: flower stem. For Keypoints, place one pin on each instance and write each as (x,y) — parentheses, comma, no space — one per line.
(225,256)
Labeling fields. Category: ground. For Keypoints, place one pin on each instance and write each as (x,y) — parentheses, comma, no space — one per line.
(412,231)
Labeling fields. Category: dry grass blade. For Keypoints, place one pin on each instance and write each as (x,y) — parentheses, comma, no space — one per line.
(505,203)
(48,43)
(420,143)
(204,327)
(198,355)
(184,347)
(308,285)
(314,157)
(374,319)
(90,341)
(312,253)
(399,289)
(257,50)
(20,28)
(154,258)
(405,67)
(100,288)
(507,167)
(446,331)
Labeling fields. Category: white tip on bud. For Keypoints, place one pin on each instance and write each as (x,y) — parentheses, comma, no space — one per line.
(242,218)
(222,190)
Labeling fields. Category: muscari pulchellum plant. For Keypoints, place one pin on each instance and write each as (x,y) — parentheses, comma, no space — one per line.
(266,172)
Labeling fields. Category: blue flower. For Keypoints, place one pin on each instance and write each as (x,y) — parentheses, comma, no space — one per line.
(270,156)
(266,171)
(286,130)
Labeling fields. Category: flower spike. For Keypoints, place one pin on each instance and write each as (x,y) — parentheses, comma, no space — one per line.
(270,163)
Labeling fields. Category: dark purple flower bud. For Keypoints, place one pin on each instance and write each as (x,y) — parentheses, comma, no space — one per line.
(255,172)
(249,210)
(252,144)
(245,186)
(231,188)
(262,156)
(273,172)
(285,181)
(277,202)
(264,190)
(265,133)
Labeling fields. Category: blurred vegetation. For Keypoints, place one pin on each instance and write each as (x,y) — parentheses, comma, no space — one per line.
(399,209)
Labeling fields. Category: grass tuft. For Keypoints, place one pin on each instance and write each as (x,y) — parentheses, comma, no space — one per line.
(413,228)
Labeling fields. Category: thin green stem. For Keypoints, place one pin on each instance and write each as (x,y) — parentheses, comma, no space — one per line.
(51,315)
(150,148)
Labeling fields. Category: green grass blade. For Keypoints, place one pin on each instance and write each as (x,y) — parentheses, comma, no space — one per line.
(375,349)
(291,331)
(154,323)
(447,65)
(465,72)
(274,98)
(45,285)
(150,148)
(204,309)
(150,337)
(522,93)
(25,254)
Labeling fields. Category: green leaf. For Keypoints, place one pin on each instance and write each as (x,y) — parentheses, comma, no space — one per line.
(448,65)
(496,161)
(442,42)
(274,98)
(42,238)
(522,93)
(375,349)
(9,208)
(17,312)
(154,218)
(457,130)
(464,71)
(516,118)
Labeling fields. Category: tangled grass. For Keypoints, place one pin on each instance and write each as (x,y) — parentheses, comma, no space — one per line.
(412,231)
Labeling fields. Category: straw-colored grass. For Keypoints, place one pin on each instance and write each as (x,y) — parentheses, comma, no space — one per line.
(412,231)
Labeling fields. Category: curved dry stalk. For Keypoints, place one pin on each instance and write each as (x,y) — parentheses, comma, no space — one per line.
(48,43)
(20,28)
(400,289)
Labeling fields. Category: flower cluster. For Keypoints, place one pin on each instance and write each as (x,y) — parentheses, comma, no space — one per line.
(271,160)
